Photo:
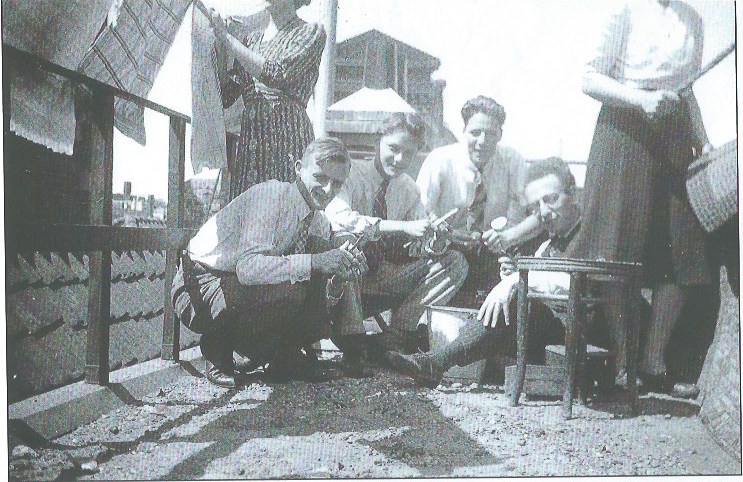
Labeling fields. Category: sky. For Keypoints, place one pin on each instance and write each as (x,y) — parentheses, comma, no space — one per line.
(527,54)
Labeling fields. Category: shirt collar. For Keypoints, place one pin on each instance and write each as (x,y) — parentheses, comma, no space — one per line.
(299,199)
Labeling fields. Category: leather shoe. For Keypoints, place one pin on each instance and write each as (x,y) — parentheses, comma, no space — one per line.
(685,390)
(421,367)
(659,383)
(219,377)
(243,364)
(354,366)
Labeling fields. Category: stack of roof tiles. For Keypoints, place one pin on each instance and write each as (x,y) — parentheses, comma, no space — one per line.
(47,305)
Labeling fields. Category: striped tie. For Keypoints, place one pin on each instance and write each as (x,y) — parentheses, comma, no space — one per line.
(476,212)
(300,245)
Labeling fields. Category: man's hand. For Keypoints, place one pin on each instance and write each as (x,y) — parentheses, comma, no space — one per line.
(417,228)
(497,301)
(498,241)
(345,262)
(507,266)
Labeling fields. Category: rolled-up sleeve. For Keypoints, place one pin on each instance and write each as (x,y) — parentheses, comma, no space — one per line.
(344,218)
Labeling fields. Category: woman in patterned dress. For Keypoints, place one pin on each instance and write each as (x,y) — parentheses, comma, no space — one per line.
(275,73)
(647,134)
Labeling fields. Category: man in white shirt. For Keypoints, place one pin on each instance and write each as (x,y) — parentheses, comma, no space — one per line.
(550,193)
(380,199)
(261,276)
(484,181)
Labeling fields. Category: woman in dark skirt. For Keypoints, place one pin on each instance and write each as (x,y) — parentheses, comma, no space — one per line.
(636,209)
(275,73)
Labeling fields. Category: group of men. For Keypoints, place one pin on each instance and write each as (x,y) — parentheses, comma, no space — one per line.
(287,264)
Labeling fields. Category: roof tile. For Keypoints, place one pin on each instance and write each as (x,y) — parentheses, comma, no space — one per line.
(61,267)
(48,274)
(78,268)
(13,275)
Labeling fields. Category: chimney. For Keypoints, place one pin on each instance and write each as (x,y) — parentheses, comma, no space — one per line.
(151,206)
(127,188)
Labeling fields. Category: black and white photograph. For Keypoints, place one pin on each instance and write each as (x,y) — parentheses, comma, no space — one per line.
(388,239)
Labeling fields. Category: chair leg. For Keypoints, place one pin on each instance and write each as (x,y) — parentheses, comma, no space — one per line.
(632,335)
(522,328)
(572,340)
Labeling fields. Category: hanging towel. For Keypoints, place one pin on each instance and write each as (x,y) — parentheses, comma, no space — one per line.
(129,54)
(209,64)
(42,105)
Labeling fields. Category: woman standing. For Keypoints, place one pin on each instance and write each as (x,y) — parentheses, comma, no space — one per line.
(647,134)
(275,73)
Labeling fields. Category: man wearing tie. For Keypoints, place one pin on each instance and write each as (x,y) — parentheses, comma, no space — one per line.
(261,277)
(484,181)
(379,198)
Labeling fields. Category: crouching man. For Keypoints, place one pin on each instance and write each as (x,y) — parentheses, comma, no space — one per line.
(262,278)
(380,199)
(550,192)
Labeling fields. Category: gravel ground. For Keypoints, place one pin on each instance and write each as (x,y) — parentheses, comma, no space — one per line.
(383,426)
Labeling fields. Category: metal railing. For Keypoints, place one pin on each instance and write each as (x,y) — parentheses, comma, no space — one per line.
(99,237)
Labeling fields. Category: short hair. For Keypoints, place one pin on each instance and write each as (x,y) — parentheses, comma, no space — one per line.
(301,3)
(487,106)
(328,149)
(411,123)
(552,165)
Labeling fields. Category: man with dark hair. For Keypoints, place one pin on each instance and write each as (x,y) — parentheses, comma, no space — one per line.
(380,199)
(550,193)
(261,276)
(484,181)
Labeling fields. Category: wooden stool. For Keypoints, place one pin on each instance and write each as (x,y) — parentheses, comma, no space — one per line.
(628,274)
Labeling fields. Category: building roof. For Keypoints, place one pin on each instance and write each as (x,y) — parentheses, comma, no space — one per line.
(364,110)
(375,35)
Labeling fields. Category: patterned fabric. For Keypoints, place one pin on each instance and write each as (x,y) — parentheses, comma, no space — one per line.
(380,202)
(129,54)
(476,212)
(300,246)
(275,127)
(42,106)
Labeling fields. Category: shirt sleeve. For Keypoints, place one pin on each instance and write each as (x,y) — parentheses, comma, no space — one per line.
(301,56)
(258,263)
(517,208)
(607,59)
(428,182)
(344,218)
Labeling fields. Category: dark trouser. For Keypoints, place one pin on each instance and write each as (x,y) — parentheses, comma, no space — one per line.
(477,342)
(258,322)
(407,288)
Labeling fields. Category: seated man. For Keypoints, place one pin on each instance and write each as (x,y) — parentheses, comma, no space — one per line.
(550,191)
(381,200)
(484,181)
(260,276)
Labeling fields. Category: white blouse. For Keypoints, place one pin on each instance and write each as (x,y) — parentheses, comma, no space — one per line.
(648,46)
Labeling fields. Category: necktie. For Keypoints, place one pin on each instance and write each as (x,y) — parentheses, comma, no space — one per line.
(300,245)
(476,212)
(380,201)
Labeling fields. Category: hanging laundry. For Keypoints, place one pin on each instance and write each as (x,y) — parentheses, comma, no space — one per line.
(129,54)
(42,105)
(209,64)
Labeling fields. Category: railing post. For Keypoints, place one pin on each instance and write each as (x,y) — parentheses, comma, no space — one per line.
(176,187)
(100,151)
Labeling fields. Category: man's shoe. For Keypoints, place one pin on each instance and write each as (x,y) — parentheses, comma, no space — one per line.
(354,366)
(219,377)
(659,383)
(243,364)
(421,367)
(685,390)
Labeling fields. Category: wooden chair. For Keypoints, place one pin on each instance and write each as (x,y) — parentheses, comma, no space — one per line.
(580,271)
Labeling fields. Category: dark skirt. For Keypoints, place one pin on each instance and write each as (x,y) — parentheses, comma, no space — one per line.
(636,208)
